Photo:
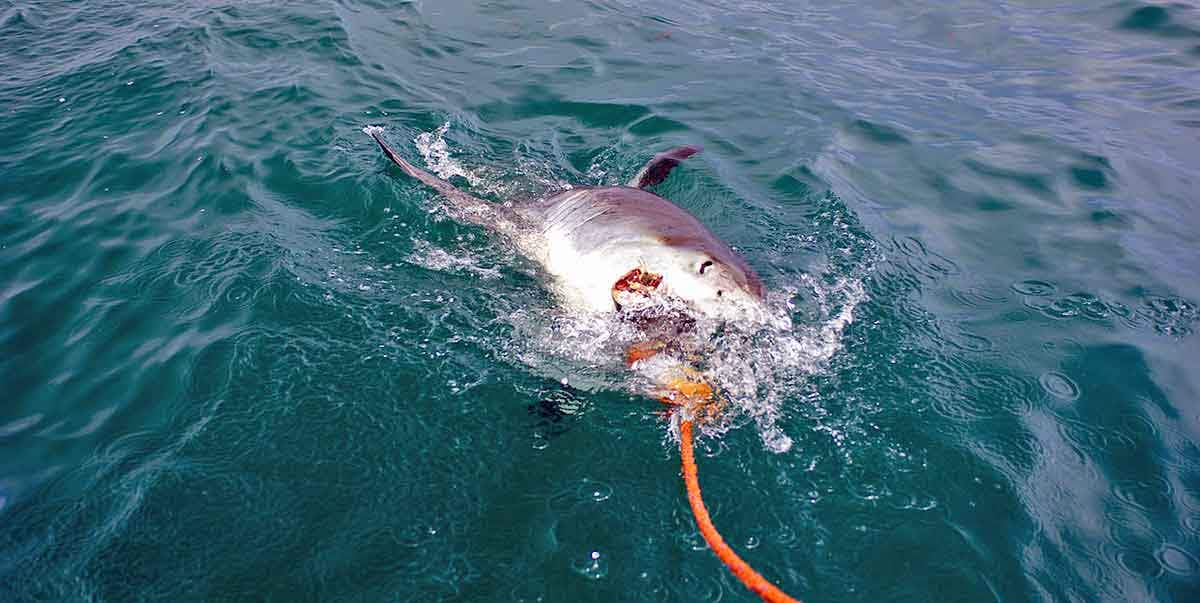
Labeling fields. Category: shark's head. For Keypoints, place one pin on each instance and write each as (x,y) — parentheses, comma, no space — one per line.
(715,288)
(629,240)
(718,285)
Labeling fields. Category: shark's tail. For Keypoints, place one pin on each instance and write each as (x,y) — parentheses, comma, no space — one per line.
(463,207)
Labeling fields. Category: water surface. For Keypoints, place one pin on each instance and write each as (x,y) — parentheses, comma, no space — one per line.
(244,358)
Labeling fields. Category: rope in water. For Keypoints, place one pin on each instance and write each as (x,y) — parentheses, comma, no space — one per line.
(752,579)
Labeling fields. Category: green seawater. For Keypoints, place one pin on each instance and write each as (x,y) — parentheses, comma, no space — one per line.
(242,357)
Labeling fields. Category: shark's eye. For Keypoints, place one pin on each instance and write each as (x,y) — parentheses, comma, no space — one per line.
(705,265)
(720,293)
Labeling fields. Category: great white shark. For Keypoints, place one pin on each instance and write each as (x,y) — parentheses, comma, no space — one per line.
(606,248)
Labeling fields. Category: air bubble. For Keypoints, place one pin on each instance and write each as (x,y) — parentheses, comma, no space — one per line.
(593,566)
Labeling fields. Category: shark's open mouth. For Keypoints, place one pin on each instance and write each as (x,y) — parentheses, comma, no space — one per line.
(635,289)
(662,320)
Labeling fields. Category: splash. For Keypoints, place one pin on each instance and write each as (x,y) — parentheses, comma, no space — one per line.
(433,147)
(759,368)
(427,255)
(536,178)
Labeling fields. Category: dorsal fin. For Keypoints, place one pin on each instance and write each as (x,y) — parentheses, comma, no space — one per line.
(656,169)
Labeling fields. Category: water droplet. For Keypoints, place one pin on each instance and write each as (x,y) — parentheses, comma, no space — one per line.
(1177,560)
(1034,288)
(924,502)
(1139,563)
(1059,385)
(1192,523)
(1148,495)
(595,491)
(594,566)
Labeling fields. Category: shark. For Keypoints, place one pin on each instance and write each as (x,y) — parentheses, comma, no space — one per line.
(615,248)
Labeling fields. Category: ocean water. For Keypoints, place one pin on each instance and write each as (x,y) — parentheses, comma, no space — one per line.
(242,357)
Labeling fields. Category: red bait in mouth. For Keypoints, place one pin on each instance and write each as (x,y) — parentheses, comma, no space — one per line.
(635,288)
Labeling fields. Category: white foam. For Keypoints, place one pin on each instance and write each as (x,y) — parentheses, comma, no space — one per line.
(433,147)
(763,371)
(761,368)
(429,256)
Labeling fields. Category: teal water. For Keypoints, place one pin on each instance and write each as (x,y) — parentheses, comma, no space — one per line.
(242,357)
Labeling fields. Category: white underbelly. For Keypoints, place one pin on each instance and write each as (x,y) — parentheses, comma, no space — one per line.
(584,280)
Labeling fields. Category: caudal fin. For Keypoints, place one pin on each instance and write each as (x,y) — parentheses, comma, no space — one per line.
(464,206)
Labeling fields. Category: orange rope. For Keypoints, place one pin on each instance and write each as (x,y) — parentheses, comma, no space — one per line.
(752,579)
